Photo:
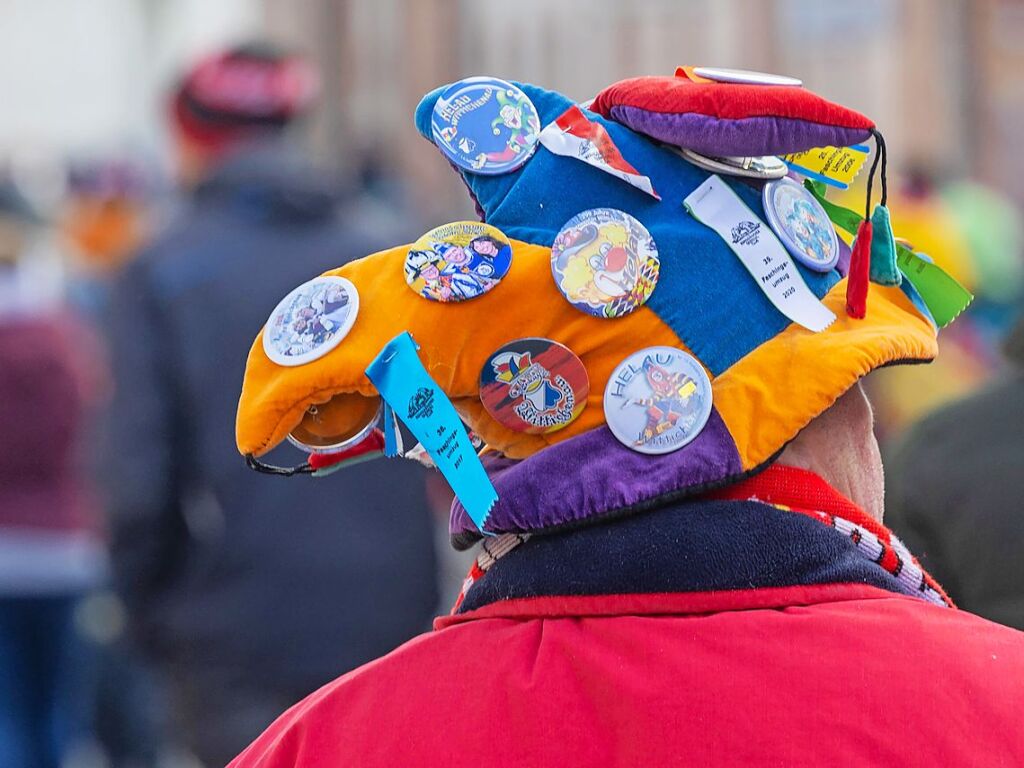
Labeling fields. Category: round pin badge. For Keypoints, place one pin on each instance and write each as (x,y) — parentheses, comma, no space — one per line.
(341,423)
(534,385)
(458,261)
(801,224)
(744,76)
(485,125)
(311,321)
(657,400)
(766,167)
(605,262)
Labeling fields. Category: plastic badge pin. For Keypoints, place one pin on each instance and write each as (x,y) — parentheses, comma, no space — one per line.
(534,385)
(766,167)
(605,262)
(485,125)
(745,77)
(311,321)
(657,400)
(801,224)
(330,428)
(458,261)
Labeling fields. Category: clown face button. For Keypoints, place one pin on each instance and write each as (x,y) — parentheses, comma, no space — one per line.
(657,400)
(605,262)
(311,321)
(534,385)
(458,261)
(485,125)
(801,224)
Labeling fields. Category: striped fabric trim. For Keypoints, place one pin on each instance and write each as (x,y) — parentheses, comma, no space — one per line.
(491,551)
(889,552)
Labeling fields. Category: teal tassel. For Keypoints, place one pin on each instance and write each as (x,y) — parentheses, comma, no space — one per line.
(883,249)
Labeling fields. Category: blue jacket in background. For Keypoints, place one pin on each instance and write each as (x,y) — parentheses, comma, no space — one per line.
(297,579)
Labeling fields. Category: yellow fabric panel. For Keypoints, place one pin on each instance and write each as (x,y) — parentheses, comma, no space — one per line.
(769,395)
(455,341)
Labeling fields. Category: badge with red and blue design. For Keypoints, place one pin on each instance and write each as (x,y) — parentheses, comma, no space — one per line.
(485,125)
(657,400)
(534,385)
(605,262)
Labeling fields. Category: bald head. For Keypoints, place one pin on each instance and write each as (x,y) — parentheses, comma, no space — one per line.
(840,446)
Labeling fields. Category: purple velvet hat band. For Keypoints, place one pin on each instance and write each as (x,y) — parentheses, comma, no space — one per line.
(747,137)
(593,475)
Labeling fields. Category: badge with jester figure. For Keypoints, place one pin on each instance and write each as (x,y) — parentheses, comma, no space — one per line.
(458,261)
(657,400)
(605,262)
(485,125)
(534,385)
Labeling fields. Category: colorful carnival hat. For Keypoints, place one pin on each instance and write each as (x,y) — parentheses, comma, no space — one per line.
(640,315)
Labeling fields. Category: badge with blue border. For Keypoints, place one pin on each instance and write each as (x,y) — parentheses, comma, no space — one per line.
(605,262)
(485,125)
(801,224)
(657,400)
(458,261)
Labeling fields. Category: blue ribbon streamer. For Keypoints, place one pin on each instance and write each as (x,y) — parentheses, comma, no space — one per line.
(410,392)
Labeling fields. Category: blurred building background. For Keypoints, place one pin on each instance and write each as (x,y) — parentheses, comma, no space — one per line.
(941,77)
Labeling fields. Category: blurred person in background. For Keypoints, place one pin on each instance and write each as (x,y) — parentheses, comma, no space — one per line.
(51,549)
(975,234)
(104,221)
(956,482)
(248,594)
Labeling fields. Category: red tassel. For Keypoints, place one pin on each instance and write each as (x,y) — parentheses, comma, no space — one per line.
(373,442)
(860,271)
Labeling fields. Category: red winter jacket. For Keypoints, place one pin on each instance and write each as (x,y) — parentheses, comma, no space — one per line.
(844,665)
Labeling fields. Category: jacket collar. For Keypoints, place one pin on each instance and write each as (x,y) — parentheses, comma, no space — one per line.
(786,529)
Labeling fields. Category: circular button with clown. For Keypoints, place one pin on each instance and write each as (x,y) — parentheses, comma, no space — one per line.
(605,262)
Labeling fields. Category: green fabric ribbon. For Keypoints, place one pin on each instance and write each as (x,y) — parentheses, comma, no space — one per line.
(883,249)
(943,295)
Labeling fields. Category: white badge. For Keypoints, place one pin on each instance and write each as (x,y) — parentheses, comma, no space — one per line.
(744,76)
(311,321)
(657,400)
(716,205)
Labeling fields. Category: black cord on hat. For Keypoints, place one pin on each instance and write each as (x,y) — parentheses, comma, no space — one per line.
(880,155)
(270,469)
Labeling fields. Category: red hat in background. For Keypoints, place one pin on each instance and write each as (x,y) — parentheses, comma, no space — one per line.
(243,92)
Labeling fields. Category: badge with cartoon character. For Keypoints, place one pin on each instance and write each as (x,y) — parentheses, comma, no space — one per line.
(657,400)
(458,261)
(311,320)
(485,125)
(801,224)
(534,385)
(605,262)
